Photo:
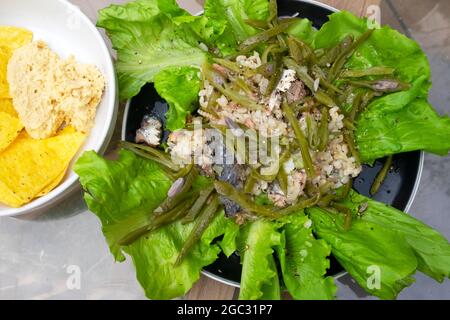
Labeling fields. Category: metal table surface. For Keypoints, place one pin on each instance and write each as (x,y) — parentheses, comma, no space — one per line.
(61,254)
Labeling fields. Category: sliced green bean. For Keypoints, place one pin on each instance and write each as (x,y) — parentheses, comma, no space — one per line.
(166,164)
(374,71)
(231,94)
(323,130)
(356,105)
(282,179)
(249,184)
(276,76)
(304,148)
(257,24)
(198,205)
(346,54)
(267,52)
(201,224)
(294,50)
(273,12)
(350,141)
(258,176)
(233,66)
(332,54)
(300,205)
(382,85)
(381,176)
(347,212)
(227,190)
(264,36)
(171,202)
(313,134)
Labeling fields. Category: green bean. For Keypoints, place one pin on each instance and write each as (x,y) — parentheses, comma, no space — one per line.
(300,205)
(323,130)
(356,105)
(313,135)
(303,75)
(249,184)
(171,202)
(294,50)
(381,176)
(326,200)
(168,166)
(273,12)
(201,224)
(346,54)
(233,66)
(350,141)
(276,76)
(264,36)
(155,223)
(283,180)
(348,124)
(258,24)
(243,85)
(304,148)
(344,191)
(198,205)
(227,190)
(382,85)
(258,176)
(267,51)
(211,102)
(231,94)
(347,212)
(374,71)
(332,54)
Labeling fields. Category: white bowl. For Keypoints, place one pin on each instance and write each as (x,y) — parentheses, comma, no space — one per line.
(67,31)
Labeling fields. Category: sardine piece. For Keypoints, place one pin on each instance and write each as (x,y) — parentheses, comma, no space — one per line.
(149,132)
(235,175)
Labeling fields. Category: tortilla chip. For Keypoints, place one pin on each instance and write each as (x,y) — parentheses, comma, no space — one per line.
(10,127)
(28,166)
(6,105)
(52,184)
(4,87)
(11,39)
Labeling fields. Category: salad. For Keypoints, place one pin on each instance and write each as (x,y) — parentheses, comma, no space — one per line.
(269,122)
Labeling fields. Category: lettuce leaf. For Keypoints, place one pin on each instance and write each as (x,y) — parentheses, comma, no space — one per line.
(385,238)
(417,126)
(154,257)
(123,194)
(179,86)
(398,122)
(259,279)
(368,250)
(303,261)
(149,36)
(228,17)
(430,247)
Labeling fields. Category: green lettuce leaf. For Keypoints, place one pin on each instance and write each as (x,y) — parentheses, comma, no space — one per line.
(398,122)
(179,86)
(123,194)
(416,126)
(374,255)
(228,17)
(259,279)
(149,36)
(303,261)
(154,257)
(430,247)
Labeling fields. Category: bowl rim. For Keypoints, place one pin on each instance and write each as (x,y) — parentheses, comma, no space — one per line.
(342,273)
(70,183)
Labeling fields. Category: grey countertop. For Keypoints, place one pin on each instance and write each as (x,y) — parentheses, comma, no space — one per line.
(61,254)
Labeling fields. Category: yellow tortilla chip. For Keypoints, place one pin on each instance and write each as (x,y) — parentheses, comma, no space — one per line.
(6,105)
(28,166)
(8,197)
(4,87)
(10,127)
(52,184)
(13,38)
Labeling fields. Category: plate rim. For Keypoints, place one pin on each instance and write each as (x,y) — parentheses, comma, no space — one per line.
(339,274)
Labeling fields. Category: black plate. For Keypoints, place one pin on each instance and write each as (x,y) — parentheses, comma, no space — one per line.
(397,190)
